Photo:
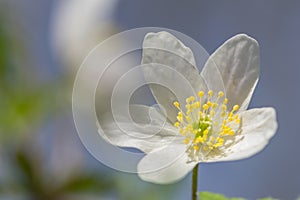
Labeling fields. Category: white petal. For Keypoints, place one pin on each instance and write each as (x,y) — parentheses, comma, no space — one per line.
(163,49)
(147,131)
(238,62)
(168,44)
(212,77)
(259,126)
(166,165)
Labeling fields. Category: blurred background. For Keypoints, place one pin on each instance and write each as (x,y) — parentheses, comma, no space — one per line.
(42,44)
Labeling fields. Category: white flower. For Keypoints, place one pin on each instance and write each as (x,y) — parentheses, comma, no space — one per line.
(213,125)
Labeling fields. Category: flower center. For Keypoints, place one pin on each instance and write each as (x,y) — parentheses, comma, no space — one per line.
(207,125)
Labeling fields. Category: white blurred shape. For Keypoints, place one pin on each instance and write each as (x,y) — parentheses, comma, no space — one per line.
(77,26)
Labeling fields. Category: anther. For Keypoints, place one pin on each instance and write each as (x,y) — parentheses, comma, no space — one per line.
(205,107)
(210,93)
(225,101)
(200,94)
(235,107)
(220,94)
(176,104)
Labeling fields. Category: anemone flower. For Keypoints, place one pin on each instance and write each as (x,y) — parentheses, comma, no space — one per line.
(212,124)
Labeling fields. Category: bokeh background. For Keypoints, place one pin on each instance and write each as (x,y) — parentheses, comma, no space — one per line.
(42,44)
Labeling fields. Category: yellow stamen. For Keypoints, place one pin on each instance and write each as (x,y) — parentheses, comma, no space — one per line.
(205,107)
(225,101)
(220,94)
(210,93)
(176,104)
(235,107)
(176,124)
(207,125)
(186,140)
(200,94)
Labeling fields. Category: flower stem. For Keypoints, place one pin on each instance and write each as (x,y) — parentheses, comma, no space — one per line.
(194,182)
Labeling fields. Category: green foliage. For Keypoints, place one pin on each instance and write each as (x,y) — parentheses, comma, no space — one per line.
(33,184)
(214,196)
(87,183)
(25,100)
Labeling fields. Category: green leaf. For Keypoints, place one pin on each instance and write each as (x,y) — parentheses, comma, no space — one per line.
(215,196)
(211,196)
(86,183)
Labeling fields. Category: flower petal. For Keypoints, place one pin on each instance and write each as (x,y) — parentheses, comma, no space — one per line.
(238,62)
(259,126)
(145,129)
(163,49)
(165,165)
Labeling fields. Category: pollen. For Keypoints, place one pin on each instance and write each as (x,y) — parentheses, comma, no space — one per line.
(206,123)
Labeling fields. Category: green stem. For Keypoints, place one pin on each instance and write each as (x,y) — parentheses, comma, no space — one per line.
(194,182)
